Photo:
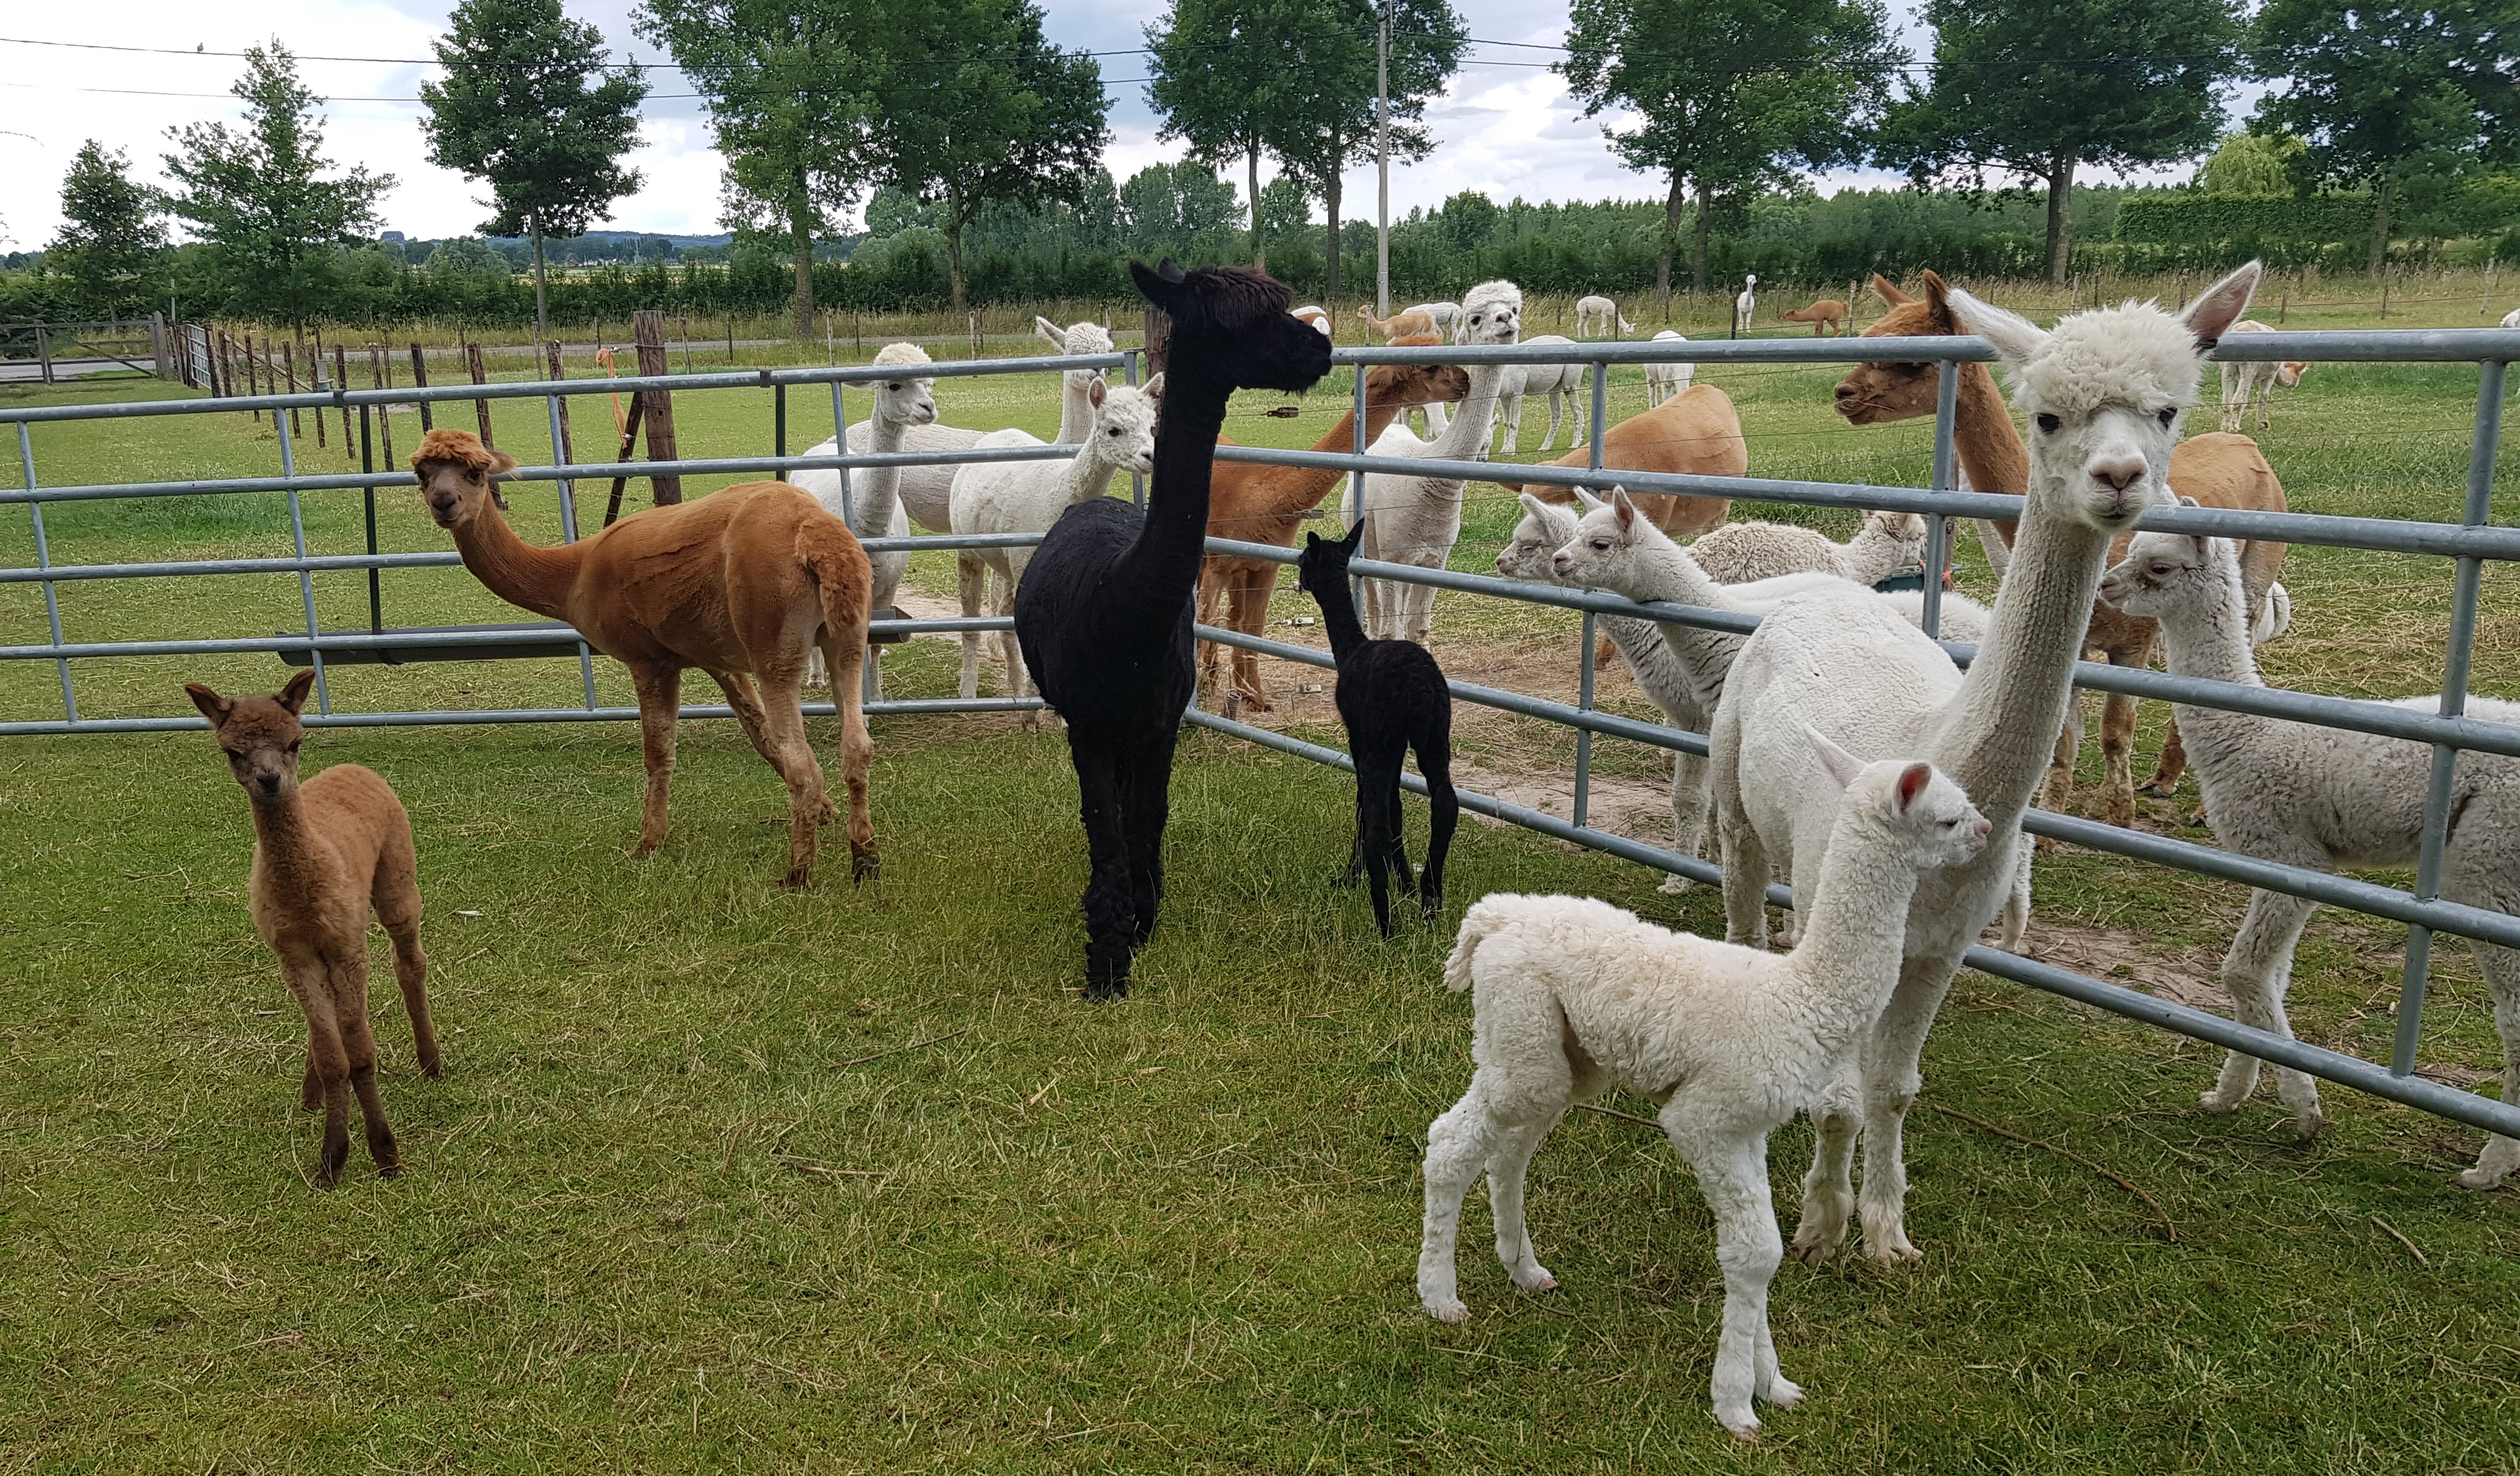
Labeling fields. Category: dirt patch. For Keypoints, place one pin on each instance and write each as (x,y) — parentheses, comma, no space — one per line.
(2182,976)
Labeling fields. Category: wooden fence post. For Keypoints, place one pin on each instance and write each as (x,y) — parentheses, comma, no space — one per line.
(252,379)
(378,363)
(420,381)
(647,329)
(552,350)
(480,407)
(288,362)
(341,381)
(1158,341)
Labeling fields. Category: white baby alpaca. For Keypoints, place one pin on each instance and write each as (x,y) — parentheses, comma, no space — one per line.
(1883,544)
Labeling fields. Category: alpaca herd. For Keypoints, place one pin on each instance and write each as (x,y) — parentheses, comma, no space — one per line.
(1850,755)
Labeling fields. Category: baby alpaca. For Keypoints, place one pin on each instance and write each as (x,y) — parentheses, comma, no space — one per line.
(1391,698)
(2320,798)
(1664,381)
(1738,552)
(325,852)
(1574,997)
(2243,383)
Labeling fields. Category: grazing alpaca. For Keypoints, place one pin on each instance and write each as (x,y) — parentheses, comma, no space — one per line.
(2243,383)
(1599,314)
(1407,323)
(1312,313)
(2320,798)
(1663,380)
(2218,470)
(1738,552)
(1415,520)
(872,504)
(1446,317)
(1028,496)
(1695,432)
(1827,317)
(325,852)
(1562,385)
(1391,698)
(1103,612)
(745,580)
(1268,504)
(1745,307)
(2511,319)
(1574,997)
(2105,388)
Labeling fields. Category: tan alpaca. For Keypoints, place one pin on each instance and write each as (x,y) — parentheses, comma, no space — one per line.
(325,852)
(2216,469)
(1400,325)
(1695,432)
(1827,317)
(745,581)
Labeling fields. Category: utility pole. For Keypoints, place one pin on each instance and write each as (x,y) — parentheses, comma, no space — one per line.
(1382,167)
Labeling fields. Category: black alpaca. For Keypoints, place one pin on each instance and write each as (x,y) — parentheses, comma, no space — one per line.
(1392,698)
(1103,612)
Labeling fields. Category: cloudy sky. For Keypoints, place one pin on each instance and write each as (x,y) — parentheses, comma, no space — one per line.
(1505,126)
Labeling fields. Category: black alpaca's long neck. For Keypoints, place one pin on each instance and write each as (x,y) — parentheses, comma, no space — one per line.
(1339,616)
(1163,566)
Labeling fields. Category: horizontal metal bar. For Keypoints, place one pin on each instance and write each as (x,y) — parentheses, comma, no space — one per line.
(887,708)
(313,564)
(486,640)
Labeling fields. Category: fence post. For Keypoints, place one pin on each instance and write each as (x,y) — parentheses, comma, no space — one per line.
(378,363)
(368,463)
(44,560)
(341,382)
(44,351)
(420,381)
(297,543)
(289,365)
(480,376)
(158,340)
(648,331)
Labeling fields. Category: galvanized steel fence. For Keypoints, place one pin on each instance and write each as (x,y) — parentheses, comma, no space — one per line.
(2470,541)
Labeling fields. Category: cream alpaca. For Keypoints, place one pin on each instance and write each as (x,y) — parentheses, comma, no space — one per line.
(1597,315)
(1738,552)
(2244,383)
(2320,798)
(1574,997)
(870,503)
(2104,392)
(1665,380)
(1561,384)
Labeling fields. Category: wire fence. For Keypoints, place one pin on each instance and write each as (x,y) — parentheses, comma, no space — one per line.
(2448,731)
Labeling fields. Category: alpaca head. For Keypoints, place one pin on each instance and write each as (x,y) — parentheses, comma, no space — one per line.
(2288,373)
(1532,551)
(455,471)
(258,734)
(905,400)
(1906,530)
(1076,338)
(1609,542)
(1124,423)
(2104,391)
(1876,392)
(1322,565)
(1914,803)
(1231,324)
(1416,384)
(1491,313)
(2166,576)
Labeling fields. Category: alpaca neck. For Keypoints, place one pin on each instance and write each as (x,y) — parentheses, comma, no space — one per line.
(2214,642)
(1466,437)
(1661,569)
(1338,615)
(1075,410)
(539,579)
(1990,448)
(1161,568)
(878,492)
(1300,488)
(293,854)
(1088,474)
(1854,925)
(2001,728)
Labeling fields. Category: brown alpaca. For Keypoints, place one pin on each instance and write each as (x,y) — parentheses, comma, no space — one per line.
(1827,317)
(1268,504)
(2217,468)
(1695,432)
(325,852)
(1400,325)
(745,580)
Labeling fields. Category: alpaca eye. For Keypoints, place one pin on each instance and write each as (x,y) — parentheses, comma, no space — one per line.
(1600,545)
(2048,423)
(2167,416)
(2161,570)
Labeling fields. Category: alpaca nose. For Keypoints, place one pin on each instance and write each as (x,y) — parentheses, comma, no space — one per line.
(2119,474)
(1559,562)
(1985,828)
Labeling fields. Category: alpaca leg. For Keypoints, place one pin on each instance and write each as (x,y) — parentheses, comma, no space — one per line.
(1458,1147)
(1378,777)
(1745,857)
(1510,410)
(2117,754)
(1018,680)
(330,1060)
(2017,903)
(783,725)
(395,893)
(2166,770)
(970,586)
(1689,774)
(1892,1077)
(2058,787)
(2255,974)
(1828,1186)
(2235,396)
(748,711)
(1145,807)
(2501,1155)
(1109,923)
(1215,592)
(1251,616)
(349,982)
(1444,816)
(1508,1163)
(857,756)
(1733,1178)
(660,697)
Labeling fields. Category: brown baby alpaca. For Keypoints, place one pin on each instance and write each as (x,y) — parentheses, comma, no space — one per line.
(325,852)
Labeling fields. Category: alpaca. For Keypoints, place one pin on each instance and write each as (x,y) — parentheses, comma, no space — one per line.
(1827,317)
(1103,611)
(743,581)
(1746,305)
(1665,380)
(1446,317)
(1562,384)
(1739,552)
(325,852)
(1406,323)
(1695,432)
(1431,415)
(2320,798)
(1028,496)
(872,505)
(1075,386)
(1573,996)
(1391,698)
(2105,388)
(1599,314)
(2511,319)
(1313,313)
(1415,520)
(1268,504)
(2218,470)
(2243,383)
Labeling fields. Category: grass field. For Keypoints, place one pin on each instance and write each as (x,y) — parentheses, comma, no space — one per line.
(693,1194)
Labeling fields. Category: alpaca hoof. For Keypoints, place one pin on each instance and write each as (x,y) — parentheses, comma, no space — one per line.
(1256,703)
(1449,1310)
(2214,1103)
(1539,1279)
(865,866)
(797,879)
(430,1069)
(1674,884)
(644,850)
(1106,991)
(2479,1178)
(1744,1427)
(390,1170)
(1892,1257)
(1814,1252)
(1432,909)
(2158,790)
(2308,1125)
(1785,1393)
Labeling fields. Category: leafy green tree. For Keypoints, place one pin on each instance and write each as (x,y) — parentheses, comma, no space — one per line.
(788,85)
(1728,96)
(530,106)
(2406,102)
(1181,209)
(977,109)
(112,241)
(1218,70)
(1471,220)
(2036,90)
(2251,164)
(264,197)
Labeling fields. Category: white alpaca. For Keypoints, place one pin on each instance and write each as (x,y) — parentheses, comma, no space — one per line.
(1745,307)
(2511,319)
(1028,497)
(1075,411)
(1738,552)
(2243,383)
(872,505)
(1560,382)
(1574,997)
(2103,392)
(1663,380)
(1599,314)
(1446,317)
(1415,520)
(2320,798)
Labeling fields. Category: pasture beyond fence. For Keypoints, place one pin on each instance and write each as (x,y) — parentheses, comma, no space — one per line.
(2469,542)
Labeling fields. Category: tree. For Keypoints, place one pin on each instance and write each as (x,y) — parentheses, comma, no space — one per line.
(1216,70)
(1178,209)
(2401,101)
(260,194)
(789,86)
(2251,164)
(1728,96)
(2038,88)
(114,233)
(530,106)
(977,109)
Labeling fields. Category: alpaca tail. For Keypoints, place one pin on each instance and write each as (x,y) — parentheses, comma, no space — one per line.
(1488,916)
(828,550)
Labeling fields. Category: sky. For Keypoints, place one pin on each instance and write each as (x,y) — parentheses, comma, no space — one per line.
(1506,124)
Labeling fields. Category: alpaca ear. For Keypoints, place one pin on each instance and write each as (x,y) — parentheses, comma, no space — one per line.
(1355,536)
(294,696)
(1888,291)
(1842,765)
(1586,496)
(1169,272)
(1312,540)
(1912,783)
(2016,337)
(500,461)
(2220,306)
(1153,389)
(1938,301)
(1095,395)
(214,707)
(1626,507)
(1533,506)
(1050,331)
